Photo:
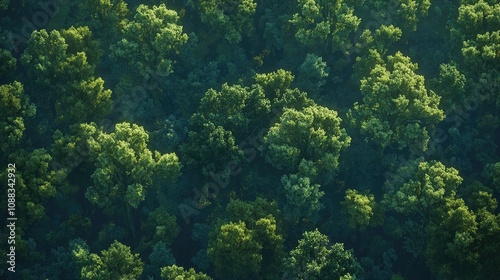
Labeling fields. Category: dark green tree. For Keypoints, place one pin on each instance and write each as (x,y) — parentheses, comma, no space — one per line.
(14,109)
(238,109)
(61,66)
(302,197)
(209,148)
(231,18)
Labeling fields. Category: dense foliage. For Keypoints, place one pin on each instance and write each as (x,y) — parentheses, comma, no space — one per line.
(251,139)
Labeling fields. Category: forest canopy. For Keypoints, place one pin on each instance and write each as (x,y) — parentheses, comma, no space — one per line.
(250,139)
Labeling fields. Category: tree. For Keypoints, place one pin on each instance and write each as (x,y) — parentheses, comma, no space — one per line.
(175,272)
(492,175)
(14,109)
(115,263)
(450,85)
(277,88)
(450,250)
(325,25)
(7,63)
(106,18)
(303,198)
(238,109)
(35,184)
(404,13)
(151,40)
(372,46)
(312,74)
(261,222)
(76,95)
(234,251)
(160,257)
(125,167)
(360,208)
(275,83)
(422,187)
(159,227)
(230,18)
(316,258)
(312,133)
(209,147)
(397,108)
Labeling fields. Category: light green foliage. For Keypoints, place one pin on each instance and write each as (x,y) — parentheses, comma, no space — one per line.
(476,17)
(115,263)
(325,25)
(260,218)
(380,40)
(231,18)
(50,55)
(159,227)
(312,74)
(276,86)
(61,65)
(238,109)
(234,251)
(175,272)
(312,133)
(80,40)
(71,149)
(125,167)
(372,46)
(151,40)
(359,208)
(397,108)
(303,198)
(14,109)
(46,56)
(249,212)
(316,258)
(484,50)
(477,28)
(275,83)
(422,187)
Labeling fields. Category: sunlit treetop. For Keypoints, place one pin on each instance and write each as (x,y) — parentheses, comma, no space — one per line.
(397,108)
(151,40)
